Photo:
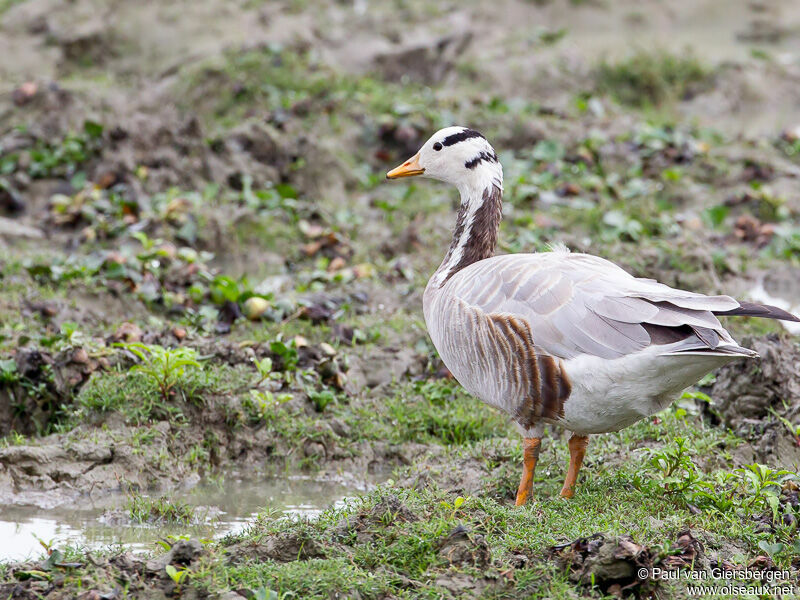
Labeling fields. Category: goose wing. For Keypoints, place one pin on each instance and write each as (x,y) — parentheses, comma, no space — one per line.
(580,304)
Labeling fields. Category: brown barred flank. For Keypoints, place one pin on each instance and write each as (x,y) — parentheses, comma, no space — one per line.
(552,403)
(564,386)
(542,375)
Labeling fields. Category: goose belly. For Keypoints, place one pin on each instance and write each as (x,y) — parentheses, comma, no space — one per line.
(609,395)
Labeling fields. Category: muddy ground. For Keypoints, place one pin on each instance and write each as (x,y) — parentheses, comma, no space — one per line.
(204,182)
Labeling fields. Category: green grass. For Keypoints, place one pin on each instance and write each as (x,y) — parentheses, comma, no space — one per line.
(284,78)
(396,549)
(638,482)
(650,78)
(441,412)
(159,511)
(434,411)
(138,397)
(376,549)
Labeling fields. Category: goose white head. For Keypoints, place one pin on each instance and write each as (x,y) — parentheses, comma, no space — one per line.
(456,155)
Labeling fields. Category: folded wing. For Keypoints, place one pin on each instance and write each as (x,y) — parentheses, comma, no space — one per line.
(579,304)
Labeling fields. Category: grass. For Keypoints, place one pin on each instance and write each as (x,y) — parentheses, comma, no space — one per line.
(651,78)
(276,78)
(395,548)
(159,511)
(390,541)
(403,550)
(134,395)
(139,398)
(441,412)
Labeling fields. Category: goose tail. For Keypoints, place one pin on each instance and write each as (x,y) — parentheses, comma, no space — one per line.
(764,311)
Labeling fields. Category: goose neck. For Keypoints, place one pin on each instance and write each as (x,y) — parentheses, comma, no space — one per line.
(475,232)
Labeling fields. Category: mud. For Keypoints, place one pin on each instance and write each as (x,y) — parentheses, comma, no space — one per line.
(58,468)
(752,398)
(614,564)
(283,547)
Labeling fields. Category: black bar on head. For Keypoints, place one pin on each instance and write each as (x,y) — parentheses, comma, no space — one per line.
(460,137)
(471,164)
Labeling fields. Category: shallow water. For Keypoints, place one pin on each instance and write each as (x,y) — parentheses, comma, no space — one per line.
(227,507)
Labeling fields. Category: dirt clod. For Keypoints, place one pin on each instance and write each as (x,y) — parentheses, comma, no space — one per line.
(283,547)
(364,525)
(128,332)
(463,547)
(182,553)
(605,562)
(428,63)
(690,550)
(751,396)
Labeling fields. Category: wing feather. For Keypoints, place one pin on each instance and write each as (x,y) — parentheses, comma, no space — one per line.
(580,304)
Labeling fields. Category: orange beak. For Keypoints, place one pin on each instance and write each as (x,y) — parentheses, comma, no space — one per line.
(407,169)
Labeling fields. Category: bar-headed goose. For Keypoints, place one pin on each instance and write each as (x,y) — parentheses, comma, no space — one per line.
(558,337)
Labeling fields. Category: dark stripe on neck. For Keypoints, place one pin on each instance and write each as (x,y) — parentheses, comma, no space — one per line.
(487,156)
(460,137)
(482,234)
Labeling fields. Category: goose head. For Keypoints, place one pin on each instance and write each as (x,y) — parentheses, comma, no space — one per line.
(456,155)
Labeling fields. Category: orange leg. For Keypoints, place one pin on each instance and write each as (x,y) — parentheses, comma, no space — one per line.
(577,449)
(530,456)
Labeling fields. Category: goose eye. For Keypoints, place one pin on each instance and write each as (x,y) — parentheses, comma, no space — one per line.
(437,146)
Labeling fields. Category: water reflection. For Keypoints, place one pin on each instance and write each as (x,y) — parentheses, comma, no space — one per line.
(225,507)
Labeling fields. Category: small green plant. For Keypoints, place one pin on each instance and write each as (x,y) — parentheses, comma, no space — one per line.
(197,455)
(455,506)
(8,371)
(177,576)
(321,399)
(286,353)
(13,438)
(68,336)
(264,368)
(750,490)
(763,487)
(674,465)
(224,289)
(677,475)
(166,367)
(264,593)
(260,405)
(67,155)
(794,430)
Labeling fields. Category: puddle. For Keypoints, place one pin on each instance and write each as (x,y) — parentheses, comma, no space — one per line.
(21,527)
(780,288)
